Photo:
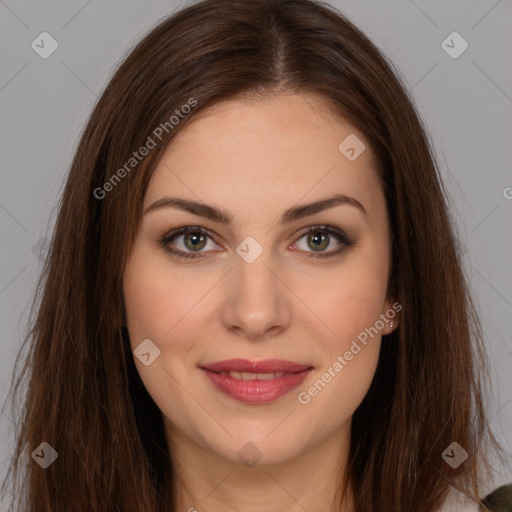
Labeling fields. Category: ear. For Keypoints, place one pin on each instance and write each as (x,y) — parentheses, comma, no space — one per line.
(391,315)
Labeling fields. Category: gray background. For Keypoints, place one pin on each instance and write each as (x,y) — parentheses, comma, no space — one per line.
(465,102)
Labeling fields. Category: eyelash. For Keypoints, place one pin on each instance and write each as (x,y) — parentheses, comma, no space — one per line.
(324,229)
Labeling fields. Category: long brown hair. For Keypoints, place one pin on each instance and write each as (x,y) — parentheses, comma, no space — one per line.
(84,395)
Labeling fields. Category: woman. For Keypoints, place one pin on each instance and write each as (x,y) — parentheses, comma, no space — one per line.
(319,352)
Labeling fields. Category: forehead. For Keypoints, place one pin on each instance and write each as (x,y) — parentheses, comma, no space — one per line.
(279,150)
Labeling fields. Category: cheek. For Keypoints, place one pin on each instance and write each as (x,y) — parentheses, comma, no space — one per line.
(158,308)
(155,298)
(351,307)
(350,304)
(351,299)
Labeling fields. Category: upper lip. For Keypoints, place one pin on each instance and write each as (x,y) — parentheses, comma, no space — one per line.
(265,366)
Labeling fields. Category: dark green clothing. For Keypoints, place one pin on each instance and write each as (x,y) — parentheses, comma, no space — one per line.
(499,500)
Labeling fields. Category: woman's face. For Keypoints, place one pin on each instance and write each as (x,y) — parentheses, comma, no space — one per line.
(256,286)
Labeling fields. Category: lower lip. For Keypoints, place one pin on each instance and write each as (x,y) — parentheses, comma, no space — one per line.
(256,391)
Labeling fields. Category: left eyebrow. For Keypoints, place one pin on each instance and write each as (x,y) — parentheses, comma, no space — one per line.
(291,214)
(300,211)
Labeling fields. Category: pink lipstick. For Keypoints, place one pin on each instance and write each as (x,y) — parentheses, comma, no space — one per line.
(256,382)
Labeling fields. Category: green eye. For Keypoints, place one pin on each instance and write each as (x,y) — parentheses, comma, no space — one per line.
(195,240)
(319,238)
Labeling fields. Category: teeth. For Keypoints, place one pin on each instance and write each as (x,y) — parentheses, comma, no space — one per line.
(253,376)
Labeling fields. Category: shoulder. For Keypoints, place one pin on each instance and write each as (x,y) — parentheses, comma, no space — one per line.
(459,503)
(499,500)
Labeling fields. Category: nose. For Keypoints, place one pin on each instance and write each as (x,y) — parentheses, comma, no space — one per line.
(258,302)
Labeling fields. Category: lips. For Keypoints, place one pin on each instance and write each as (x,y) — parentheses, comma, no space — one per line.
(256,382)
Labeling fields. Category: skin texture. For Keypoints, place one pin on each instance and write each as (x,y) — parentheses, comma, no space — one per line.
(256,159)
